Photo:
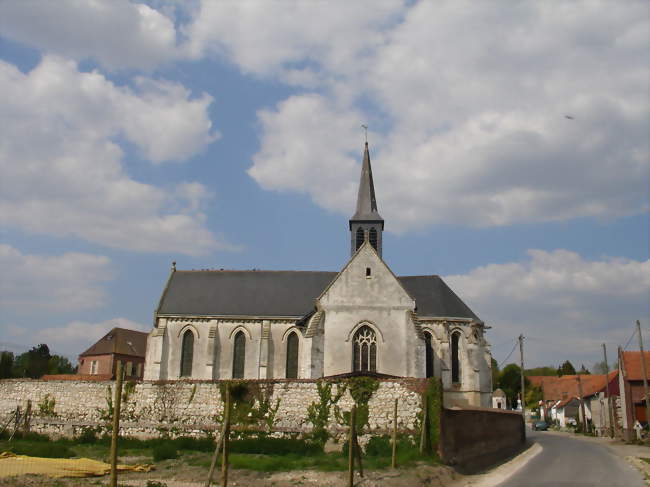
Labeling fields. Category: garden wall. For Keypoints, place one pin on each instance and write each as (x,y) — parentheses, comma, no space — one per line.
(194,408)
(472,439)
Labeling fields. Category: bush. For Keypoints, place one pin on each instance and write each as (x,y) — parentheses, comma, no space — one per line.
(164,451)
(379,446)
(87,435)
(274,446)
(44,450)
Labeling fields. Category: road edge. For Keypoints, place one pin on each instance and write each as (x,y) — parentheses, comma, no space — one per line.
(504,471)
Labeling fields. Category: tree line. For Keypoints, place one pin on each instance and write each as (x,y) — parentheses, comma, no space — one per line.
(35,363)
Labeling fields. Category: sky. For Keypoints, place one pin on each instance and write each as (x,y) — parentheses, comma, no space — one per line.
(509,144)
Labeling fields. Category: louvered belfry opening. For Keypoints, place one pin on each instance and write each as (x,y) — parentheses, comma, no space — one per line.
(429,354)
(372,237)
(365,350)
(455,359)
(292,356)
(239,356)
(359,237)
(187,354)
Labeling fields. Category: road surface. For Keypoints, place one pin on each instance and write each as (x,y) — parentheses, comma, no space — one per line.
(566,461)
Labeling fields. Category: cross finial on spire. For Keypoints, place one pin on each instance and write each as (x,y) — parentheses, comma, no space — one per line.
(365,128)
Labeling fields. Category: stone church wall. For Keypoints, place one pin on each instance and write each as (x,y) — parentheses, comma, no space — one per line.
(195,408)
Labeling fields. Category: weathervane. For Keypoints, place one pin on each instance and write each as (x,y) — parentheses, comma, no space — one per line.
(365,127)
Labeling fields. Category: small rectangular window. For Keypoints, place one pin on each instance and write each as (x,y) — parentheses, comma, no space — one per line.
(93,367)
(368,273)
(129,368)
(139,370)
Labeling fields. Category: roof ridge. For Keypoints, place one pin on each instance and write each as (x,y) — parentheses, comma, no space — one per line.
(254,270)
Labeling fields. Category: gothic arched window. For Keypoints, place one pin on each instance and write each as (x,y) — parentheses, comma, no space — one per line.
(187,354)
(360,237)
(428,347)
(364,354)
(372,237)
(239,356)
(292,355)
(455,357)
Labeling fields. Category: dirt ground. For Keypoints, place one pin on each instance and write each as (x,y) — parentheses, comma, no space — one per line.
(174,475)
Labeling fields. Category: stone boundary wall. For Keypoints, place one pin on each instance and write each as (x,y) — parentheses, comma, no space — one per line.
(195,408)
(472,439)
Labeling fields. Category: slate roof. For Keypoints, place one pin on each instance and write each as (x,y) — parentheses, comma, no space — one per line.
(366,200)
(285,293)
(121,341)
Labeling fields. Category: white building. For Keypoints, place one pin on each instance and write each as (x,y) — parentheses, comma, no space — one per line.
(221,324)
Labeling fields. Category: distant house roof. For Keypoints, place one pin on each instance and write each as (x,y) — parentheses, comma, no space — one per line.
(120,341)
(560,388)
(499,393)
(633,366)
(285,293)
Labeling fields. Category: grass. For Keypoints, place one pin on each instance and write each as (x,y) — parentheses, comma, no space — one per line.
(259,454)
(646,460)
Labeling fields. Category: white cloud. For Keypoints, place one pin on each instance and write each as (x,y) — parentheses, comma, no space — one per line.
(117,33)
(74,337)
(471,100)
(567,305)
(63,170)
(60,283)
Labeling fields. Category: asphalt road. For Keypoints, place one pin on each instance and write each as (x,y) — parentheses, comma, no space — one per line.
(566,461)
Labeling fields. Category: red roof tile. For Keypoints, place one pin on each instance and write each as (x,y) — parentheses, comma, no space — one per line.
(566,386)
(632,365)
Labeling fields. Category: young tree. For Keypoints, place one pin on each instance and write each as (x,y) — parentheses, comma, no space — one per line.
(34,363)
(546,371)
(566,368)
(6,364)
(583,370)
(510,382)
(495,374)
(599,368)
(60,365)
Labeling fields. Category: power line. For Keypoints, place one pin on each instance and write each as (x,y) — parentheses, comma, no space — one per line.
(631,337)
(511,351)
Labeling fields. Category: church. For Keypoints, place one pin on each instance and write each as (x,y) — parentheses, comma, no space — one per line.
(255,324)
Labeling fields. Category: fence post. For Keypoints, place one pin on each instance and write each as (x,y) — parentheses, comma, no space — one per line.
(217,449)
(425,424)
(28,416)
(353,422)
(393,462)
(117,403)
(226,440)
(357,450)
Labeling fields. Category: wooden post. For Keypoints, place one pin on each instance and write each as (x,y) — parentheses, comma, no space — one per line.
(117,404)
(28,416)
(424,433)
(353,420)
(357,451)
(610,415)
(645,372)
(215,455)
(226,440)
(393,462)
(523,392)
(582,407)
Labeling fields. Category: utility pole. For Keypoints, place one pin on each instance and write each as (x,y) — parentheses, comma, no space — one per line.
(582,406)
(523,396)
(645,372)
(607,395)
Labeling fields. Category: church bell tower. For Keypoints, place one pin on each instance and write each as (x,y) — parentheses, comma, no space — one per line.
(366,221)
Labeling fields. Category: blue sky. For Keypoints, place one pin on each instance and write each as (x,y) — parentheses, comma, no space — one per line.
(228,135)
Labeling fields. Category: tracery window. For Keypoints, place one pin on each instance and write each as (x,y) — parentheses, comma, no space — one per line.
(360,237)
(428,347)
(239,356)
(292,356)
(364,346)
(372,237)
(455,357)
(187,353)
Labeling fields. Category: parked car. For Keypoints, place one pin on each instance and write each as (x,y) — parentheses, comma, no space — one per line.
(540,426)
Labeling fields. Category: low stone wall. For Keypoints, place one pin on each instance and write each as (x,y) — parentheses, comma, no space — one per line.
(472,439)
(194,408)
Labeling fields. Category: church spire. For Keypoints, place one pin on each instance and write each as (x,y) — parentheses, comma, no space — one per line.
(366,219)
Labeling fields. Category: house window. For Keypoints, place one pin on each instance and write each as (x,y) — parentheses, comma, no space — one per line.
(292,355)
(428,347)
(239,356)
(455,357)
(360,237)
(372,237)
(138,370)
(368,272)
(129,368)
(364,353)
(187,354)
(93,367)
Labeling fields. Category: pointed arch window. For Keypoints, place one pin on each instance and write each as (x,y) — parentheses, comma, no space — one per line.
(372,237)
(239,356)
(364,350)
(455,357)
(360,237)
(187,354)
(428,347)
(292,355)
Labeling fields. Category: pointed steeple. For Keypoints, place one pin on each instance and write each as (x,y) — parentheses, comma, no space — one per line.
(366,200)
(366,221)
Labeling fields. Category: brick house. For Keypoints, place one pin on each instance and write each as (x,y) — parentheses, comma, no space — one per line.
(119,344)
(632,393)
